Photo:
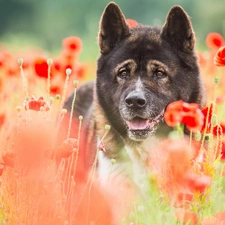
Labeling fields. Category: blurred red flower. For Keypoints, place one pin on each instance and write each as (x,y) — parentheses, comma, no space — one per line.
(179,157)
(219,59)
(173,114)
(222,153)
(214,40)
(218,129)
(2,119)
(36,104)
(73,44)
(198,183)
(220,216)
(186,113)
(219,219)
(209,221)
(8,158)
(66,148)
(56,85)
(81,71)
(55,89)
(41,67)
(183,199)
(207,112)
(174,167)
(2,166)
(57,65)
(186,216)
(132,23)
(193,117)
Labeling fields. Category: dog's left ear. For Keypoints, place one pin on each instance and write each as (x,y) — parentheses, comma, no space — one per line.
(178,30)
(113,28)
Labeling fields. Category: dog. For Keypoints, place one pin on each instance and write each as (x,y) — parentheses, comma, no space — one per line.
(139,72)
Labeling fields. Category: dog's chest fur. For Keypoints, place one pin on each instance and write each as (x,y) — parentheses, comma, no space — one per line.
(130,169)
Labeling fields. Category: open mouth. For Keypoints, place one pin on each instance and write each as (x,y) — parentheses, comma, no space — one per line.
(140,128)
(138,124)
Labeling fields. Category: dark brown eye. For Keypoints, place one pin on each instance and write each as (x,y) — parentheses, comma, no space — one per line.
(160,74)
(123,73)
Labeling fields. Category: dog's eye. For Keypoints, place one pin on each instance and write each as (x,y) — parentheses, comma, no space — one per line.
(160,74)
(123,73)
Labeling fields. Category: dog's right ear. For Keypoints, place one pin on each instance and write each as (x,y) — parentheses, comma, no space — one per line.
(113,28)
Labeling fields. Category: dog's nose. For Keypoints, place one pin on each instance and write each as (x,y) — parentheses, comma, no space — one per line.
(135,100)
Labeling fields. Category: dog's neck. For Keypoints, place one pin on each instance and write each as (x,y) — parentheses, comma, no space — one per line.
(113,143)
(131,157)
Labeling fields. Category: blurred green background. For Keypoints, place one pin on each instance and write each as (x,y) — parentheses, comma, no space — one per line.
(44,23)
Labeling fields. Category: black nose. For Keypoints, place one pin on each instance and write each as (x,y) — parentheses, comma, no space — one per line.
(135,100)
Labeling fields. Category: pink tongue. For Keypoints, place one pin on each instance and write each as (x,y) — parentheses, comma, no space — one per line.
(138,124)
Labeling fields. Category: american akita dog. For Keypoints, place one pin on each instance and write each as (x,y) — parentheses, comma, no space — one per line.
(139,72)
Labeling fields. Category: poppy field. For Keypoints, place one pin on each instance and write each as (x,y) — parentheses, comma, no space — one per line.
(42,180)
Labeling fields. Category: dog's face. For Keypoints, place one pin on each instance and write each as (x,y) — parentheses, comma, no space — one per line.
(143,69)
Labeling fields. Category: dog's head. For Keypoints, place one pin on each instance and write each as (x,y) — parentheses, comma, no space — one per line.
(143,69)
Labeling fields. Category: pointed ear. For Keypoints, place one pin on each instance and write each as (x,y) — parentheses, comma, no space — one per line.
(113,28)
(178,30)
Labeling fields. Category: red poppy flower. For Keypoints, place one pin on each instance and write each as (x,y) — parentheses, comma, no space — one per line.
(186,113)
(193,117)
(132,23)
(207,112)
(219,59)
(173,113)
(36,104)
(219,129)
(214,40)
(41,67)
(73,44)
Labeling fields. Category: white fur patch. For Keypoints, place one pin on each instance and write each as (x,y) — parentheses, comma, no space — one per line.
(116,182)
(130,171)
(139,85)
(119,172)
(139,159)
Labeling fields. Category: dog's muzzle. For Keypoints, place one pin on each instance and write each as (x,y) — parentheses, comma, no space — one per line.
(140,128)
(139,119)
